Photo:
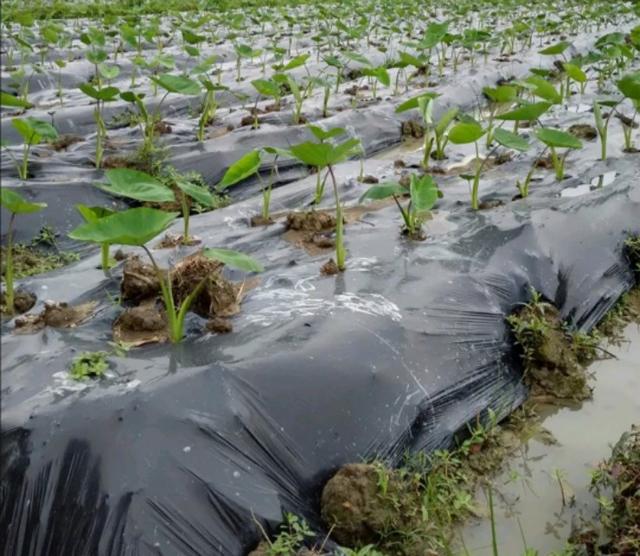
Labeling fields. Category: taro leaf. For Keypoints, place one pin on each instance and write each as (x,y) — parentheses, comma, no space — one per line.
(33,131)
(544,89)
(296,62)
(267,87)
(510,140)
(576,73)
(135,226)
(446,119)
(108,72)
(7,99)
(191,38)
(324,134)
(16,204)
(197,192)
(558,139)
(424,193)
(434,34)
(97,57)
(414,102)
(234,259)
(244,51)
(177,84)
(277,151)
(464,132)
(407,59)
(526,112)
(191,50)
(241,169)
(380,73)
(106,93)
(629,85)
(137,185)
(383,191)
(91,214)
(501,94)
(554,49)
(321,155)
(354,56)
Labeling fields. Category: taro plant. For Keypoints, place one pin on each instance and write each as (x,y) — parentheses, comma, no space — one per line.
(91,214)
(466,132)
(629,86)
(435,133)
(515,142)
(244,51)
(15,204)
(33,132)
(326,155)
(423,193)
(101,95)
(556,139)
(500,96)
(209,105)
(138,226)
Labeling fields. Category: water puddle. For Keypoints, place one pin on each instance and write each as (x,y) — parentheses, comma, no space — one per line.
(532,489)
(596,183)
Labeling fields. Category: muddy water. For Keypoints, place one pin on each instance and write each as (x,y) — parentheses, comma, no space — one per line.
(529,490)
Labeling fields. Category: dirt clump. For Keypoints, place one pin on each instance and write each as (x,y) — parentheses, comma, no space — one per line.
(139,280)
(23,301)
(311,221)
(161,128)
(583,131)
(259,220)
(250,120)
(490,204)
(369,179)
(219,325)
(144,324)
(63,142)
(174,240)
(554,357)
(55,315)
(412,128)
(329,268)
(218,296)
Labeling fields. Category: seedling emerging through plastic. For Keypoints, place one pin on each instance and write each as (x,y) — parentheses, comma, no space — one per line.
(91,214)
(138,226)
(15,204)
(556,139)
(33,132)
(470,132)
(516,142)
(326,155)
(423,192)
(100,95)
(629,86)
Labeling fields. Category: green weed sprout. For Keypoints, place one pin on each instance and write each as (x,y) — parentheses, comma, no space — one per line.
(89,365)
(33,132)
(138,226)
(15,204)
(423,192)
(326,155)
(470,132)
(556,139)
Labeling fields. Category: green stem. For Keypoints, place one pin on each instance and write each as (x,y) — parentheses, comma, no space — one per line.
(175,333)
(340,250)
(185,217)
(8,273)
(104,254)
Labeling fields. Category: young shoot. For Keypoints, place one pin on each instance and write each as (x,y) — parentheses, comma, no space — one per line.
(33,132)
(556,139)
(423,193)
(101,95)
(470,132)
(138,226)
(15,204)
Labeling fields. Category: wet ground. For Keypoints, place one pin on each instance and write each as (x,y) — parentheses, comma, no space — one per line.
(530,491)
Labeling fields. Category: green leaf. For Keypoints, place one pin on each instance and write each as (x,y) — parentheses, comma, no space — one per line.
(296,62)
(33,131)
(135,226)
(446,119)
(382,191)
(7,99)
(501,94)
(324,134)
(510,140)
(106,93)
(15,203)
(463,132)
(558,139)
(576,73)
(200,194)
(414,102)
(191,38)
(424,193)
(267,87)
(357,58)
(554,49)
(137,185)
(241,169)
(177,84)
(380,73)
(91,214)
(108,72)
(234,259)
(544,89)
(526,112)
(629,85)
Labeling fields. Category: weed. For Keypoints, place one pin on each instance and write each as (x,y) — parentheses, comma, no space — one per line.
(89,365)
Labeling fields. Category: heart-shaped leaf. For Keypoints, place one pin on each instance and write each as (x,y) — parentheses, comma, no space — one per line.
(464,132)
(234,259)
(510,140)
(558,139)
(383,191)
(526,112)
(17,204)
(137,185)
(177,84)
(241,169)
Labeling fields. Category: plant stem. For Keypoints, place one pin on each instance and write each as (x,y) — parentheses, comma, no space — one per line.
(185,217)
(8,273)
(175,333)
(104,255)
(340,250)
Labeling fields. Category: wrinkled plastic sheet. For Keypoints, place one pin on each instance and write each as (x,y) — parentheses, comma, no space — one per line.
(182,448)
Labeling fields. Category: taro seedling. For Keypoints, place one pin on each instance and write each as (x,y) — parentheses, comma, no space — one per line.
(33,132)
(91,214)
(100,95)
(377,75)
(629,86)
(526,112)
(326,155)
(209,105)
(423,193)
(15,204)
(138,226)
(244,51)
(556,139)
(499,97)
(467,132)
(515,142)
